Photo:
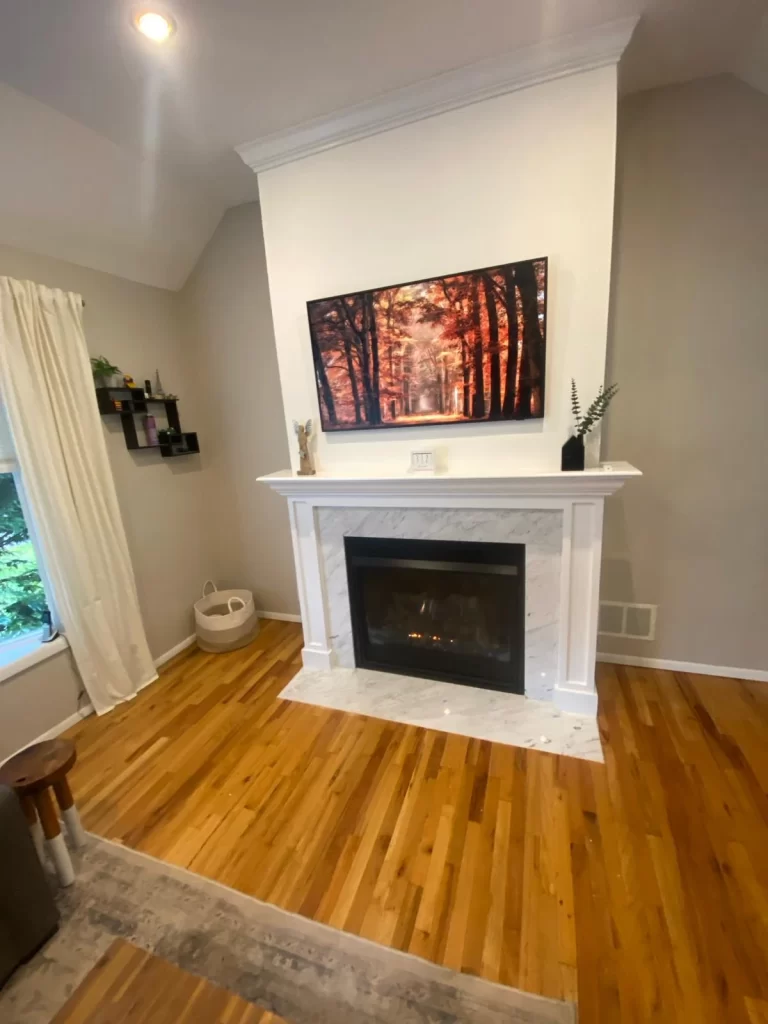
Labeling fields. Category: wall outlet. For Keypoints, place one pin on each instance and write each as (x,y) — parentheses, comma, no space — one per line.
(423,460)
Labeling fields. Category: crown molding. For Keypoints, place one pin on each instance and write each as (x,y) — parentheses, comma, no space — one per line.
(531,65)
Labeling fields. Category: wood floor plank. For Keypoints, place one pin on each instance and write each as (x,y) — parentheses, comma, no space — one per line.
(640,885)
(131,986)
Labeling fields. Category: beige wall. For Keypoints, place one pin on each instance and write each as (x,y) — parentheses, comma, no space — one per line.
(199,516)
(165,504)
(226,307)
(688,347)
(36,700)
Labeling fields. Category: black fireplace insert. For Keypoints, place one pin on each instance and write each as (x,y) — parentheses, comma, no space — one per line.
(451,610)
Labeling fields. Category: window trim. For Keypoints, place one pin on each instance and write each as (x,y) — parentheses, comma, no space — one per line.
(12,466)
(31,648)
(42,570)
(38,652)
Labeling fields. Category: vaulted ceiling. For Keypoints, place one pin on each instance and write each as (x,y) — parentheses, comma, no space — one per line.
(121,153)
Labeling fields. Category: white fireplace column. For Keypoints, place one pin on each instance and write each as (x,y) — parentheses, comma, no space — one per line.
(578,497)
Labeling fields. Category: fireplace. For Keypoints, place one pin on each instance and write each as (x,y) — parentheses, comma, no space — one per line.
(438,609)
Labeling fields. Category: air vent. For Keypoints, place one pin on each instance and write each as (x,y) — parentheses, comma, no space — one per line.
(634,621)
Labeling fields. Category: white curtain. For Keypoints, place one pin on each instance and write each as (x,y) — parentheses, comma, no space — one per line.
(47,386)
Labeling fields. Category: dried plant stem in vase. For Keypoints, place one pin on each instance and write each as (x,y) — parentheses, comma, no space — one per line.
(572,458)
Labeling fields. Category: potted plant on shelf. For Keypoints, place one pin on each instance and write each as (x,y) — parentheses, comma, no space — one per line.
(103,371)
(573,449)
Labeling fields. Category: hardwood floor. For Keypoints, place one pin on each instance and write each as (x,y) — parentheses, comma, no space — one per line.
(639,886)
(130,986)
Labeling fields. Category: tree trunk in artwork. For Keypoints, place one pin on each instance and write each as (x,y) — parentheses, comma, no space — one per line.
(456,302)
(365,357)
(365,371)
(370,318)
(407,367)
(532,363)
(513,349)
(352,377)
(465,379)
(391,349)
(322,380)
(495,361)
(478,383)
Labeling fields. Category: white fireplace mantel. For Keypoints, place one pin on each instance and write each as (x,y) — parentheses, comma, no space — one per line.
(579,496)
(318,489)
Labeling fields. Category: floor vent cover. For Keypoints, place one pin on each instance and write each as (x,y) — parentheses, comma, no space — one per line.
(620,618)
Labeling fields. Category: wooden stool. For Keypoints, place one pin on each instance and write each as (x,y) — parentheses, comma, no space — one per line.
(32,774)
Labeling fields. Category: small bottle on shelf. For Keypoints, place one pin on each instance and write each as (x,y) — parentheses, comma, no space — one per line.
(150,429)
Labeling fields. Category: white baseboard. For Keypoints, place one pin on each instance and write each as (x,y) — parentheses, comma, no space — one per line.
(316,659)
(55,731)
(726,671)
(187,642)
(84,712)
(87,710)
(576,701)
(281,616)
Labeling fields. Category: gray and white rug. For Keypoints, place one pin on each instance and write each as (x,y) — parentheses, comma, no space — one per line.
(301,970)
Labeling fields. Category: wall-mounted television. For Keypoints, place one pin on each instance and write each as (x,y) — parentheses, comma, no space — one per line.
(460,348)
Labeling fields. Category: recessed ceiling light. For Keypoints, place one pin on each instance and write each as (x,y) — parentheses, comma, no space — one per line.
(154,26)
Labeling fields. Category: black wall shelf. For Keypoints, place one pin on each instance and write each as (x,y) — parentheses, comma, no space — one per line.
(128,402)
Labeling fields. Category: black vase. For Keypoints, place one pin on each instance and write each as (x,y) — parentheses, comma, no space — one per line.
(572,454)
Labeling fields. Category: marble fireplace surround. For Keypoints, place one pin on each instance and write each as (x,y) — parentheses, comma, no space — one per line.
(541,531)
(558,516)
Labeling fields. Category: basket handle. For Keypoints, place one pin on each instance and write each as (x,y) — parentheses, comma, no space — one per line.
(206,585)
(240,601)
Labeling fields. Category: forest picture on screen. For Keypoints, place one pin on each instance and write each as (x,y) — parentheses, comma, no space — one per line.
(462,348)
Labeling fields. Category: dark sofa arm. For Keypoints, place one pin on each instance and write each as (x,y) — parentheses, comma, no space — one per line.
(28,914)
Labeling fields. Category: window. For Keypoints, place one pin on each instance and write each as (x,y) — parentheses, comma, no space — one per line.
(22,596)
(23,603)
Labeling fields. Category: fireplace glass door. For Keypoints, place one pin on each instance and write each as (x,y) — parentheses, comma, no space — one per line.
(451,610)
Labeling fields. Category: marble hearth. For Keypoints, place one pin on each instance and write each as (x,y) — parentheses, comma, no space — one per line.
(558,516)
(462,710)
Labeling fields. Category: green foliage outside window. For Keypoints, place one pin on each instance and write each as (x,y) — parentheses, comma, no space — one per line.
(22,597)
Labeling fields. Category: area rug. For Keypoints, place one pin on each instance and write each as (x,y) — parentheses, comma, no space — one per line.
(303,971)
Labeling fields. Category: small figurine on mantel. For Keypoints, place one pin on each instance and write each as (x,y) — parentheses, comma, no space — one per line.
(304,432)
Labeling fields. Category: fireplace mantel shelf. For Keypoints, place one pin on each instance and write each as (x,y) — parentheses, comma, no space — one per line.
(590,483)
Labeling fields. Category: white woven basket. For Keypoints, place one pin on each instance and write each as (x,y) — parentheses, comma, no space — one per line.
(225,619)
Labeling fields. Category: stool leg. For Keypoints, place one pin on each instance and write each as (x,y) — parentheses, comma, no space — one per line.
(75,830)
(54,840)
(35,828)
